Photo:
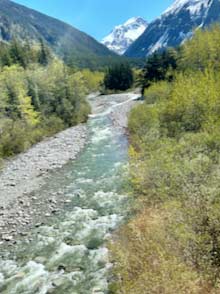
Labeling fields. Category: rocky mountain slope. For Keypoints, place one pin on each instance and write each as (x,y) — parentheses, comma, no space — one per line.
(124,35)
(175,25)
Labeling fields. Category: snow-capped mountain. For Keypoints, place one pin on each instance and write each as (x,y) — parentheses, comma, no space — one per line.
(193,6)
(124,35)
(175,25)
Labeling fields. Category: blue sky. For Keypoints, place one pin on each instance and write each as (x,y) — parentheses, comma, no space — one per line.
(98,17)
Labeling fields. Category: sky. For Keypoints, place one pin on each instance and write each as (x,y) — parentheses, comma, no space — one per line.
(98,17)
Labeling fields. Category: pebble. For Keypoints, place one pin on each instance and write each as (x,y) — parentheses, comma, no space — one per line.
(23,234)
(58,282)
(7,238)
(38,225)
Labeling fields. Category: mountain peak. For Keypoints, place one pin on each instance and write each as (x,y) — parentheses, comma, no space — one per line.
(136,19)
(122,36)
(175,25)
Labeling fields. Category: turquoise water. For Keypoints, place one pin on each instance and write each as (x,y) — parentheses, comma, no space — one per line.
(69,254)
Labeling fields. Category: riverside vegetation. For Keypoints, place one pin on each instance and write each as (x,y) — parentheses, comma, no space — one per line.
(39,95)
(172,245)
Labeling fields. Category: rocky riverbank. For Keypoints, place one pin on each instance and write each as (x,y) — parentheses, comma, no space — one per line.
(119,110)
(25,174)
(119,116)
(21,206)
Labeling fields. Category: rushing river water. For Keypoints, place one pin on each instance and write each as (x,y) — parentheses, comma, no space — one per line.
(68,254)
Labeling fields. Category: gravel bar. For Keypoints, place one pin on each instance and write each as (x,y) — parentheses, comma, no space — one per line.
(21,206)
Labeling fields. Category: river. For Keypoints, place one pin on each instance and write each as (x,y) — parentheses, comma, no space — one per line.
(68,254)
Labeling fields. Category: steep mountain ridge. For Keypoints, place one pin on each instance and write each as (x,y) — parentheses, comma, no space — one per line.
(175,25)
(22,23)
(193,6)
(122,36)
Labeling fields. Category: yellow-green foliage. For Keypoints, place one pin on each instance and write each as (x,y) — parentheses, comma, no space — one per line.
(14,93)
(157,91)
(38,100)
(93,79)
(202,50)
(144,252)
(173,244)
(193,103)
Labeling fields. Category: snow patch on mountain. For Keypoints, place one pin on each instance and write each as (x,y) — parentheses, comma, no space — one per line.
(162,42)
(175,26)
(193,6)
(124,35)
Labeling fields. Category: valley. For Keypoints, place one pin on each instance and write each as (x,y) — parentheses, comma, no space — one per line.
(110,149)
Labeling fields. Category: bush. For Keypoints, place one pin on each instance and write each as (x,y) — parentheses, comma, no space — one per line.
(93,79)
(193,103)
(14,139)
(148,259)
(157,92)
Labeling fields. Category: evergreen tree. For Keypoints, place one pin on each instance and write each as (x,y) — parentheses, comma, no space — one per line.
(5,58)
(158,66)
(119,77)
(17,54)
(33,93)
(12,108)
(44,54)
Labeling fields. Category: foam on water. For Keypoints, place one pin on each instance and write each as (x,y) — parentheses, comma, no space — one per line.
(101,134)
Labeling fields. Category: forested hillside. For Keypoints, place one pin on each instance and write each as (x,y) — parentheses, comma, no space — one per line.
(173,245)
(39,95)
(76,47)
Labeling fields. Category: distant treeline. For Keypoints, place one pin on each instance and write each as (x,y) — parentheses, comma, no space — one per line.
(39,95)
(119,77)
(173,243)
(99,63)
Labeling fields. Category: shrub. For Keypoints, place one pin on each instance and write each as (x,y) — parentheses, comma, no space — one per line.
(157,92)
(93,79)
(148,260)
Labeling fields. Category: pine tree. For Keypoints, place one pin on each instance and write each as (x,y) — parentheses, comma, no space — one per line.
(157,67)
(12,109)
(17,54)
(5,58)
(119,77)
(44,54)
(33,93)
